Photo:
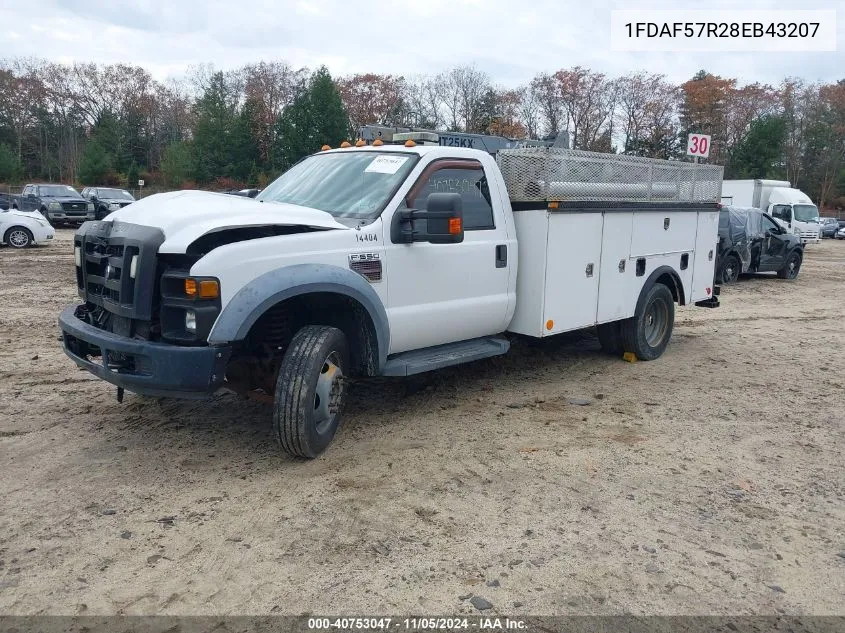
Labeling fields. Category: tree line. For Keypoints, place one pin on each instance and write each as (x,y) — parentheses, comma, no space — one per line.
(112,124)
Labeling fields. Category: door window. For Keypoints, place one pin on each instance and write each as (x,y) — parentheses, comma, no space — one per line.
(471,183)
(782,212)
(769,226)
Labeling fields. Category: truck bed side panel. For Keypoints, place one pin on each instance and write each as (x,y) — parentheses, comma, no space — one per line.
(661,232)
(572,271)
(705,255)
(616,273)
(531,231)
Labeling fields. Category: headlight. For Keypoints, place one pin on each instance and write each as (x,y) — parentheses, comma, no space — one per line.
(77,255)
(54,206)
(90,206)
(191,321)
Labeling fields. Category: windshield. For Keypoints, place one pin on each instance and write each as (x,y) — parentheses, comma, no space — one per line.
(345,184)
(115,194)
(806,212)
(57,190)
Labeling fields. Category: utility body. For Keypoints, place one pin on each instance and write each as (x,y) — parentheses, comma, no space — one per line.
(387,260)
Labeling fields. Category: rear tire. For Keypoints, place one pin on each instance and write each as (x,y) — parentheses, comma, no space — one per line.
(791,267)
(647,333)
(18,237)
(730,269)
(610,337)
(310,390)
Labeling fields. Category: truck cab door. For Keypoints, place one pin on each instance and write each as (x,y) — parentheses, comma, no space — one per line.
(443,293)
(773,247)
(26,201)
(782,213)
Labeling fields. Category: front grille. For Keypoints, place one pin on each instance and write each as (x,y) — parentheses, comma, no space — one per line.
(74,206)
(128,306)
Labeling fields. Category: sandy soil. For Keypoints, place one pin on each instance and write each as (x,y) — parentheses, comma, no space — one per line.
(709,481)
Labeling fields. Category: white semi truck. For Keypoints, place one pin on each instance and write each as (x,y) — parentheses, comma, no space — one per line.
(387,260)
(791,208)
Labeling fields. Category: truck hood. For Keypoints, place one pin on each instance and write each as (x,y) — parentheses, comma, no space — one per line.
(184,216)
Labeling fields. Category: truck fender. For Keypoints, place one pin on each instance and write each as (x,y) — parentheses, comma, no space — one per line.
(677,290)
(265,291)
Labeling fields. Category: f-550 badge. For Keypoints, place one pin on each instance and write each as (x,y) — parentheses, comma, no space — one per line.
(363,257)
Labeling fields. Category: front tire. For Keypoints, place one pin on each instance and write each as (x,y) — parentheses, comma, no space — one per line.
(730,269)
(647,333)
(18,237)
(791,267)
(310,390)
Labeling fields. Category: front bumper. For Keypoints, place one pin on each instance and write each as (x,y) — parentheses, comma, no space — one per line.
(144,367)
(43,234)
(62,216)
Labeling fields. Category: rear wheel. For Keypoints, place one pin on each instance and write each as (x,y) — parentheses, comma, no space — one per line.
(18,237)
(310,390)
(647,333)
(791,267)
(730,269)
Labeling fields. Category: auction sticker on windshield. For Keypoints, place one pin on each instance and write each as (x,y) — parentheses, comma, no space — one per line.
(386,164)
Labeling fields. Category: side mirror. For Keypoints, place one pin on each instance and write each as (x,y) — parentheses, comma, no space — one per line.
(30,195)
(444,219)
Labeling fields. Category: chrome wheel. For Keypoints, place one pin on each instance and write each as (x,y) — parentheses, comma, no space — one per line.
(329,393)
(730,273)
(18,238)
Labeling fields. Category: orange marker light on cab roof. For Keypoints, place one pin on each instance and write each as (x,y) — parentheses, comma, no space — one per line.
(378,142)
(325,147)
(345,144)
(410,143)
(360,143)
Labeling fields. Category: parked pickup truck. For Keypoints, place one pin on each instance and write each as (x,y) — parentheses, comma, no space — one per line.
(387,260)
(750,241)
(57,203)
(107,199)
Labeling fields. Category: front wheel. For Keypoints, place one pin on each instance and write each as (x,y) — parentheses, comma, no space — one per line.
(310,390)
(791,267)
(730,270)
(647,333)
(18,237)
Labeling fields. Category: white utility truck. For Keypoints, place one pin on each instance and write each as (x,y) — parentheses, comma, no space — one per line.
(791,208)
(387,260)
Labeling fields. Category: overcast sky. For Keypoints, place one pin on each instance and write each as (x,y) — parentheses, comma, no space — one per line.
(510,40)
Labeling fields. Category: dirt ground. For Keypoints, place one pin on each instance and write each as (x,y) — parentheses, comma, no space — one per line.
(707,482)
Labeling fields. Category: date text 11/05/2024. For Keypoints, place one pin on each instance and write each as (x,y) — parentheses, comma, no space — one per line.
(416,624)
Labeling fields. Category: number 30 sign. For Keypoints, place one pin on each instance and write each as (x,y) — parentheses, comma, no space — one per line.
(698,145)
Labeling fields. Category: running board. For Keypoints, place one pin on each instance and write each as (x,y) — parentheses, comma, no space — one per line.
(431,358)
